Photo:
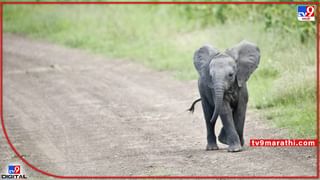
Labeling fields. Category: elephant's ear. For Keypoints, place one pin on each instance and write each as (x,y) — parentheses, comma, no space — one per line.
(247,56)
(203,56)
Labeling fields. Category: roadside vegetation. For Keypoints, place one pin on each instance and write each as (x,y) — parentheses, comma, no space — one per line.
(164,37)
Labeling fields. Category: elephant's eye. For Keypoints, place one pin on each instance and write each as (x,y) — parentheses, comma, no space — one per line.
(230,74)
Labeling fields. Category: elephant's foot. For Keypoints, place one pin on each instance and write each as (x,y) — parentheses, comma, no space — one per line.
(211,147)
(234,148)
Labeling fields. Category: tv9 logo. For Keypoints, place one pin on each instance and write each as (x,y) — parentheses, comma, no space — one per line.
(14,169)
(306,13)
(14,172)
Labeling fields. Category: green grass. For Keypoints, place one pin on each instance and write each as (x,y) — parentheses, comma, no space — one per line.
(159,36)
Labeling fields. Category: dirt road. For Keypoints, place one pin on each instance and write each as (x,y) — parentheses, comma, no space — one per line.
(72,113)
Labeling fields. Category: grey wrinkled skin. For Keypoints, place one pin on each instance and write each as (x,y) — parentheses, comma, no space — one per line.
(223,90)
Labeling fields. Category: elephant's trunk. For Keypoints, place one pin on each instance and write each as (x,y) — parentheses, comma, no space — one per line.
(219,92)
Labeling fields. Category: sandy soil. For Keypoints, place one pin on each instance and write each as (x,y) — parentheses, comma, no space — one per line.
(69,112)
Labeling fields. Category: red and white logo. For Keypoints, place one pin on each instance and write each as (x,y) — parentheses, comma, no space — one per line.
(306,13)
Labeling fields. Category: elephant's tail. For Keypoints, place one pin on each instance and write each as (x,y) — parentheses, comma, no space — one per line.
(191,109)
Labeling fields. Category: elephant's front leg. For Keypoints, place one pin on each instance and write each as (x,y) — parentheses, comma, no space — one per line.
(239,119)
(229,127)
(239,114)
(211,137)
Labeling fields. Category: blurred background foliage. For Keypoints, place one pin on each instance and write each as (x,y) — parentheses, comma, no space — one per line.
(274,17)
(164,37)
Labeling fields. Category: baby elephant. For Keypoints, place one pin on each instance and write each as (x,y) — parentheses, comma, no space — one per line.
(223,90)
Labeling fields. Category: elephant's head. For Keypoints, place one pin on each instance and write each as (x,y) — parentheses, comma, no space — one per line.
(222,71)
